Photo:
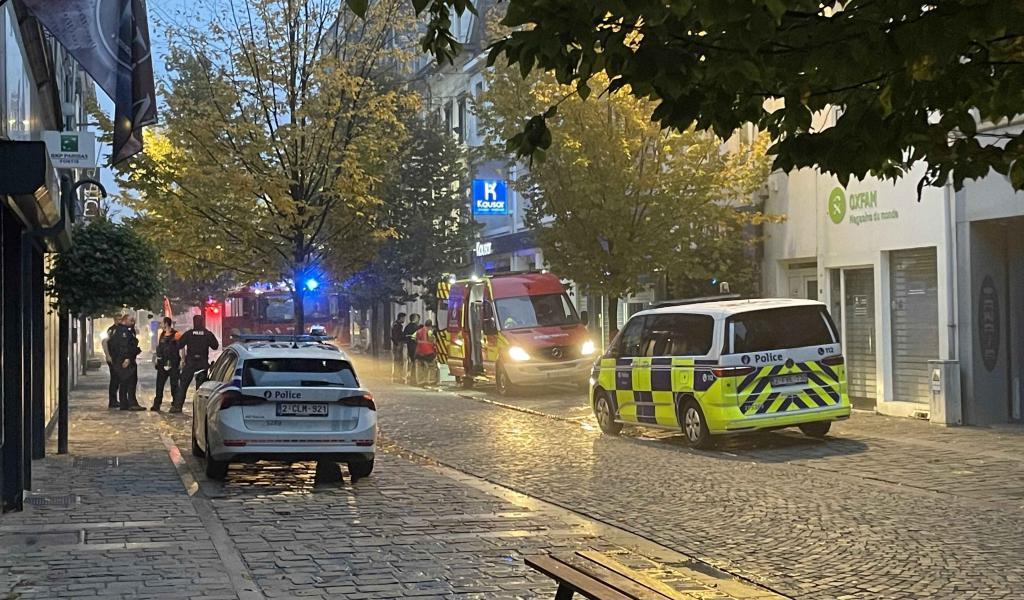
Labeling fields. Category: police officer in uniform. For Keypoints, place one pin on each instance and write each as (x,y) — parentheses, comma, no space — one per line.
(114,382)
(197,343)
(168,362)
(124,350)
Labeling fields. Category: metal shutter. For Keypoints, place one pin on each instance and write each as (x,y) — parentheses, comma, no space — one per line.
(915,322)
(861,372)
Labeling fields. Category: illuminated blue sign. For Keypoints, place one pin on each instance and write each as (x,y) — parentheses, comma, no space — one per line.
(490,197)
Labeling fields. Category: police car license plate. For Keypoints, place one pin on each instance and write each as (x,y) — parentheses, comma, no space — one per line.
(791,379)
(301,409)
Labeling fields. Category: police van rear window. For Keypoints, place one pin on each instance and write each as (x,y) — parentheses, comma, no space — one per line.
(298,372)
(779,328)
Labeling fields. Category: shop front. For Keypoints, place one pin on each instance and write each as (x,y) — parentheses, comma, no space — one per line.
(877,256)
(990,244)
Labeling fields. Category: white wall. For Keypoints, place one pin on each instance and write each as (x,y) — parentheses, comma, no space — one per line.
(888,217)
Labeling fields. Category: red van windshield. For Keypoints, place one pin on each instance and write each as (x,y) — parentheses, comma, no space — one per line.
(545,310)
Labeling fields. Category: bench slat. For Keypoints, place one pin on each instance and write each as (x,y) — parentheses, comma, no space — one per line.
(647,581)
(580,582)
(628,584)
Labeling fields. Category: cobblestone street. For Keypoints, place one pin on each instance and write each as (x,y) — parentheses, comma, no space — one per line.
(884,508)
(126,515)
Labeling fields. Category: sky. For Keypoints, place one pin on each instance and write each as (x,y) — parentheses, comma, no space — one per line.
(159,12)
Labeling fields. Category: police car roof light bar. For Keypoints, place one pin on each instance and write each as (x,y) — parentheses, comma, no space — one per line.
(282,337)
(701,300)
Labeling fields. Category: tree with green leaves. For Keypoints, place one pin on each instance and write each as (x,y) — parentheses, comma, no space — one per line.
(110,266)
(430,230)
(616,198)
(906,81)
(279,131)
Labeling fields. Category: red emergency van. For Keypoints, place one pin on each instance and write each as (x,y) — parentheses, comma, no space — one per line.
(514,329)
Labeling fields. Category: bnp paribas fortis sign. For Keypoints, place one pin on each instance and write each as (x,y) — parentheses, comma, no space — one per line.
(857,208)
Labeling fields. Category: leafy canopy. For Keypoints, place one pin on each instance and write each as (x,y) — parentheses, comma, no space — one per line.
(905,81)
(280,126)
(617,197)
(424,209)
(108,267)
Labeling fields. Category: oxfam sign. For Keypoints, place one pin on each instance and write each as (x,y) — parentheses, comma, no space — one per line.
(858,208)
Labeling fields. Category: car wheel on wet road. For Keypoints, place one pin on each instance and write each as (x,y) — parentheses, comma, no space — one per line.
(605,413)
(360,469)
(215,469)
(695,427)
(196,450)
(501,379)
(818,429)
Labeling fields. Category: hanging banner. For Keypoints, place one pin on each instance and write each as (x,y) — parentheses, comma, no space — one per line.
(110,39)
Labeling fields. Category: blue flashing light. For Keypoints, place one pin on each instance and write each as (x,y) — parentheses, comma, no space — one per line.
(312,284)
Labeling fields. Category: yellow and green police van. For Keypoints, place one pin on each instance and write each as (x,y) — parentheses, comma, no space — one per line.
(723,367)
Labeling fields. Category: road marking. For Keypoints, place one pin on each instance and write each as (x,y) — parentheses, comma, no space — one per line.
(241,578)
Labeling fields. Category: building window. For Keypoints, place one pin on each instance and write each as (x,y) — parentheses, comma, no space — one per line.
(463,115)
(477,94)
(448,117)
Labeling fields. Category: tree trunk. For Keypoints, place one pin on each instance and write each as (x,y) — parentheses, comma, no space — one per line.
(300,313)
(611,316)
(374,329)
(84,348)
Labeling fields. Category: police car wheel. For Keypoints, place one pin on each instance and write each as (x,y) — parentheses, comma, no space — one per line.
(196,450)
(695,428)
(360,469)
(215,469)
(818,429)
(605,414)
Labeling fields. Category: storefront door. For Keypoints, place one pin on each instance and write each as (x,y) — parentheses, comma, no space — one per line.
(859,312)
(914,316)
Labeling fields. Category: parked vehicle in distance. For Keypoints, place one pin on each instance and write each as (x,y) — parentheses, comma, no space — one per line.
(514,329)
(724,367)
(283,398)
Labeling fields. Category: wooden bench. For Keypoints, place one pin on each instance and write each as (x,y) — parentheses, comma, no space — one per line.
(600,577)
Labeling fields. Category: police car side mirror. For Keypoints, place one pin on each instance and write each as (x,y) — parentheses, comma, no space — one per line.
(490,327)
(202,376)
(584,318)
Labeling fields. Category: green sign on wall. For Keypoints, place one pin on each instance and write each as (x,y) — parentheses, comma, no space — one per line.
(858,206)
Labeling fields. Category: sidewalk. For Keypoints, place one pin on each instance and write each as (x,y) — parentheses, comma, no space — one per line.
(115,520)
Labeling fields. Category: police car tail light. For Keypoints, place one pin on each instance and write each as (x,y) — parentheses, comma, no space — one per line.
(732,371)
(235,398)
(364,401)
(834,361)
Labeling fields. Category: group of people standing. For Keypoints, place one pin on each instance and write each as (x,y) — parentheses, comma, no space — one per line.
(413,352)
(122,351)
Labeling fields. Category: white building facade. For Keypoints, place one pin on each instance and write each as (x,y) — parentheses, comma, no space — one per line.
(909,280)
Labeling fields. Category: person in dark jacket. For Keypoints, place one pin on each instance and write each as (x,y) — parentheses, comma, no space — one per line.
(409,337)
(398,348)
(112,388)
(167,362)
(197,343)
(124,352)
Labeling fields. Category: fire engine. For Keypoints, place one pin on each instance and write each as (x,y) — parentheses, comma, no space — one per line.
(267,308)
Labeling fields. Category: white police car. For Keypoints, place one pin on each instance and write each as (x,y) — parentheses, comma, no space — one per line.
(283,398)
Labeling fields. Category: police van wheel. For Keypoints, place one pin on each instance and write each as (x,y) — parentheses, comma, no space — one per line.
(818,429)
(504,384)
(695,427)
(605,413)
(465,383)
